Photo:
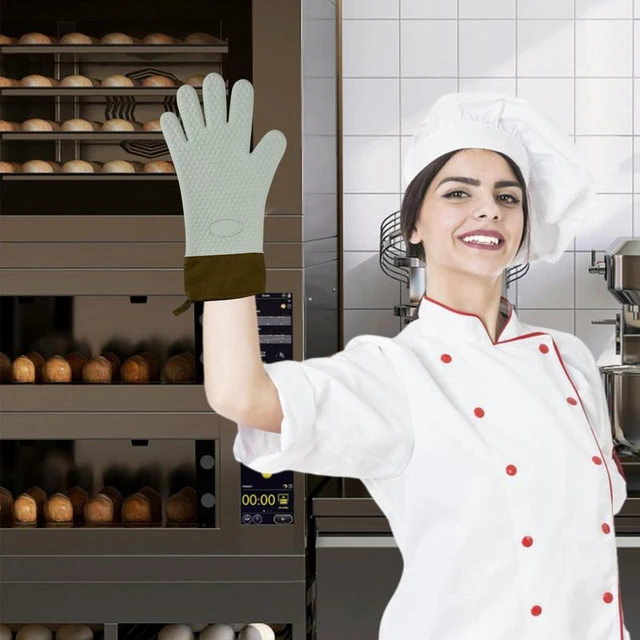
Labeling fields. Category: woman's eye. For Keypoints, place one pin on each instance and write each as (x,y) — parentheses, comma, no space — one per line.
(513,200)
(451,193)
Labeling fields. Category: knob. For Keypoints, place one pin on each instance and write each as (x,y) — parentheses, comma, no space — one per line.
(597,267)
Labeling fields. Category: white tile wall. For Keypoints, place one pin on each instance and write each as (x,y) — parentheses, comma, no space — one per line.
(575,60)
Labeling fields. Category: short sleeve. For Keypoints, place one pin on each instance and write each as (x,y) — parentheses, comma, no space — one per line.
(346,415)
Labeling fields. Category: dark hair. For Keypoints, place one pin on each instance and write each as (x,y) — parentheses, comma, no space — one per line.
(417,189)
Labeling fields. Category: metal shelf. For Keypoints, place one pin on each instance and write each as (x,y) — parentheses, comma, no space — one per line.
(91,136)
(81,49)
(19,177)
(91,91)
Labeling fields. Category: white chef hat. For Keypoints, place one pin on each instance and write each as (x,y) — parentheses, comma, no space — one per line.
(561,187)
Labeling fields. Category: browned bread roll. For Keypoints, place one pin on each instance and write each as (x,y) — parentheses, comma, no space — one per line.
(6,506)
(80,166)
(79,124)
(154,367)
(159,166)
(38,124)
(57,370)
(118,38)
(178,369)
(36,38)
(8,82)
(10,167)
(158,81)
(195,81)
(77,38)
(7,39)
(34,632)
(190,492)
(118,124)
(178,508)
(159,38)
(117,81)
(58,508)
(119,166)
(76,361)
(135,369)
(5,125)
(23,370)
(78,81)
(36,80)
(152,125)
(116,498)
(97,370)
(137,508)
(115,364)
(74,632)
(202,38)
(156,503)
(39,495)
(38,362)
(41,166)
(25,509)
(5,368)
(99,510)
(78,497)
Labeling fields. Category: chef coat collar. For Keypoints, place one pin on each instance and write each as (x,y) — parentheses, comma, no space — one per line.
(440,320)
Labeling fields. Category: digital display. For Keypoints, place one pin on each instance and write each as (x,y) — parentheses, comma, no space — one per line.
(268,498)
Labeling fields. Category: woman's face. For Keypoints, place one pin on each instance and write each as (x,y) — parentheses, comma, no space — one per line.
(453,207)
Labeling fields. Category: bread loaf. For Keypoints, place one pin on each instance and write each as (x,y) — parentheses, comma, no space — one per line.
(78,81)
(115,364)
(152,125)
(159,38)
(5,368)
(58,508)
(38,124)
(41,166)
(178,369)
(23,370)
(78,497)
(36,80)
(8,82)
(159,166)
(40,496)
(117,81)
(76,361)
(135,369)
(97,370)
(137,509)
(117,38)
(79,124)
(36,38)
(178,508)
(38,362)
(118,166)
(6,506)
(195,81)
(154,367)
(80,166)
(7,39)
(202,38)
(158,81)
(118,124)
(116,498)
(99,510)
(25,509)
(34,632)
(74,632)
(57,370)
(77,38)
(5,125)
(156,503)
(10,167)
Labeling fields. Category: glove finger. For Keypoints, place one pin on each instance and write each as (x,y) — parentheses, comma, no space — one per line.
(214,94)
(241,113)
(269,152)
(190,111)
(172,132)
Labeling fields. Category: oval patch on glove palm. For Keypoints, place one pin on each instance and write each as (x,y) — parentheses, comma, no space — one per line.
(225,227)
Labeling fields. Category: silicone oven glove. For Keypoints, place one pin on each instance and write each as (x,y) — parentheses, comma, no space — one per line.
(224,189)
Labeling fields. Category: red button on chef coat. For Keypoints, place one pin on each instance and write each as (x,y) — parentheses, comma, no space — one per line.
(608,597)
(572,401)
(512,470)
(536,611)
(527,541)
(606,528)
(445,357)
(544,348)
(479,412)
(597,460)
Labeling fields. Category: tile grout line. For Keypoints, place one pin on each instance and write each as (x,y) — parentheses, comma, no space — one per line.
(575,117)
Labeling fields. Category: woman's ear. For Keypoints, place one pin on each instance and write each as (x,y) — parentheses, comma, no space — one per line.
(414,237)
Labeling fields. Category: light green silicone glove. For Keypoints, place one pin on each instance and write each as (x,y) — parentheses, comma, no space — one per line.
(224,189)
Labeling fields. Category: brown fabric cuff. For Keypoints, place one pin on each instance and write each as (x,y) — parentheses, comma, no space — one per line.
(222,277)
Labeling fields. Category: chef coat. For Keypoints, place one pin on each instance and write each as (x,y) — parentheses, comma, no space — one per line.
(492,461)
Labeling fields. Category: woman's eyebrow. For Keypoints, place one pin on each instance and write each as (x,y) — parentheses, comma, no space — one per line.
(477,183)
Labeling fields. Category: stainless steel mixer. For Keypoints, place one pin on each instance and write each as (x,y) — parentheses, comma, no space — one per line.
(621,270)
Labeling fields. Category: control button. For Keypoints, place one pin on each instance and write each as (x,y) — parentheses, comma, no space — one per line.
(246,518)
(479,413)
(257,518)
(283,518)
(445,357)
(606,528)
(596,460)
(536,610)
(572,401)
(608,597)
(544,348)
(527,541)
(512,469)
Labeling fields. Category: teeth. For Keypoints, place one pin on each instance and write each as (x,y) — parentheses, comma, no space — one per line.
(481,239)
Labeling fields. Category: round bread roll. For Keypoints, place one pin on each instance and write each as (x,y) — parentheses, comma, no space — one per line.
(118,166)
(115,364)
(6,506)
(115,496)
(77,38)
(158,81)
(156,503)
(178,369)
(5,368)
(25,509)
(159,166)
(5,632)
(97,370)
(79,166)
(99,510)
(179,508)
(202,38)
(257,631)
(58,508)
(117,81)
(9,167)
(7,39)
(118,124)
(38,124)
(41,166)
(79,124)
(78,497)
(40,496)
(36,38)
(135,369)
(159,38)
(78,81)
(34,632)
(5,125)
(218,632)
(175,632)
(8,82)
(36,80)
(76,361)
(137,508)
(23,370)
(152,361)
(74,632)
(195,81)
(38,362)
(152,125)
(117,38)
(57,370)
(190,492)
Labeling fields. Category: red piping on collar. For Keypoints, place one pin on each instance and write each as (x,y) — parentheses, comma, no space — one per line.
(474,315)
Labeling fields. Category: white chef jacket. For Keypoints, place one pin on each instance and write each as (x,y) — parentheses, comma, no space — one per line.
(491,461)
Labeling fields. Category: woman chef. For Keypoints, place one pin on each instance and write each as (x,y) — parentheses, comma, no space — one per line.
(485,441)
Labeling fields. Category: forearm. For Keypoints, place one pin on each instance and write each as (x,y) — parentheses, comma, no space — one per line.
(231,353)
